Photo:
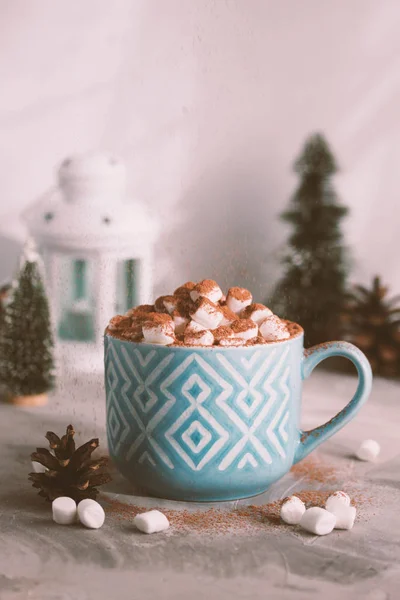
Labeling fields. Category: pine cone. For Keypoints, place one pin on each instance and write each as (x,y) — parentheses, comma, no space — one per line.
(371,321)
(69,472)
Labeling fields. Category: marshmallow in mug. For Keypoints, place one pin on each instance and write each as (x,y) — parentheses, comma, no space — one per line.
(256,312)
(238,298)
(193,326)
(199,338)
(119,322)
(159,329)
(166,303)
(140,313)
(245,329)
(273,329)
(185,289)
(206,313)
(180,322)
(228,316)
(223,332)
(232,342)
(208,288)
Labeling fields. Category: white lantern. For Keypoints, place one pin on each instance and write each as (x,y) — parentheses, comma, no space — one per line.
(97,251)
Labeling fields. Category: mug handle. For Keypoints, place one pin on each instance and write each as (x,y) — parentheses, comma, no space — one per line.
(312,357)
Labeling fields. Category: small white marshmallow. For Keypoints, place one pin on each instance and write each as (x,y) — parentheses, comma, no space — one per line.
(231,342)
(292,510)
(180,322)
(193,326)
(345,515)
(159,329)
(91,513)
(38,468)
(170,303)
(199,338)
(273,329)
(64,510)
(318,521)
(228,316)
(369,450)
(238,298)
(245,329)
(206,313)
(338,496)
(151,522)
(256,312)
(208,288)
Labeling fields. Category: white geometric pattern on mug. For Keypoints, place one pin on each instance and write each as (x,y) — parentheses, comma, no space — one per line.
(145,430)
(214,432)
(120,431)
(210,428)
(266,399)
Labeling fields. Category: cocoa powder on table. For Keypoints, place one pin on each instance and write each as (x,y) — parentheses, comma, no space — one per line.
(250,518)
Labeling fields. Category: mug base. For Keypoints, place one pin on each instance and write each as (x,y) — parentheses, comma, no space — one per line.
(163,488)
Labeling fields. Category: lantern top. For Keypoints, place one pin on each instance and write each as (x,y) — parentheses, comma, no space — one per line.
(88,209)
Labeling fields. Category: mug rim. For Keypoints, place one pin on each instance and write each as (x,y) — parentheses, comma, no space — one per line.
(205,349)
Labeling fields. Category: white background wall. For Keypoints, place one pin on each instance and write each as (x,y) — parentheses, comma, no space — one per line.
(209,102)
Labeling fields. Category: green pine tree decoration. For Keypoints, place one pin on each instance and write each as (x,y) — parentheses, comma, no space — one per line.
(312,290)
(371,321)
(26,343)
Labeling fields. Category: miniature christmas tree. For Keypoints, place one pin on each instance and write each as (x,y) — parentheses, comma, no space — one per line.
(26,344)
(372,322)
(312,290)
(4,289)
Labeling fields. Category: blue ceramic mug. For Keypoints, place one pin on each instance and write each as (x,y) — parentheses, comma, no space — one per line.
(215,423)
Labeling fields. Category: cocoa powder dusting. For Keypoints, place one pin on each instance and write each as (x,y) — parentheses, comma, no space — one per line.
(244,519)
(241,325)
(206,286)
(239,293)
(314,471)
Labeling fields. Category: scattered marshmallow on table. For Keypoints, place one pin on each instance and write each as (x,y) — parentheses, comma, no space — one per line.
(159,329)
(368,450)
(245,329)
(206,313)
(38,468)
(199,338)
(91,514)
(318,521)
(256,312)
(151,522)
(273,329)
(64,510)
(338,497)
(292,510)
(238,298)
(345,515)
(208,288)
